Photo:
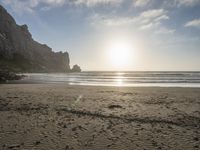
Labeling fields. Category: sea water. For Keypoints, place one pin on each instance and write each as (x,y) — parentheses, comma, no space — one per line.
(129,79)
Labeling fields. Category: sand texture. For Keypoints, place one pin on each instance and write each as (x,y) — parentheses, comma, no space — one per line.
(61,117)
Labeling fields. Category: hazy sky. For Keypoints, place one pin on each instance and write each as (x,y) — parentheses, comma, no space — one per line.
(159,34)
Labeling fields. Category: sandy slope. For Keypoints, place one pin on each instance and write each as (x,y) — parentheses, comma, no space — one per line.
(56,116)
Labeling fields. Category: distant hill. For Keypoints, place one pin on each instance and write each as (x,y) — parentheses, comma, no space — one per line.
(20,53)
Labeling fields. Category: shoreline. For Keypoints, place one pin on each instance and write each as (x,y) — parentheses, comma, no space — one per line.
(58,116)
(125,79)
(23,80)
(92,85)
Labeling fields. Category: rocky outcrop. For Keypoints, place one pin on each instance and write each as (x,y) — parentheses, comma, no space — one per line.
(19,52)
(7,75)
(76,68)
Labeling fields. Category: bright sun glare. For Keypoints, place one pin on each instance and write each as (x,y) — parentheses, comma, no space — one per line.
(120,54)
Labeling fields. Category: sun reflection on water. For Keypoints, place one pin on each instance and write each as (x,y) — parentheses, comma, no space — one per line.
(119,79)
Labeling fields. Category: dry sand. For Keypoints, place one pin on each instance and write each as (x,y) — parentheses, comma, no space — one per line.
(61,117)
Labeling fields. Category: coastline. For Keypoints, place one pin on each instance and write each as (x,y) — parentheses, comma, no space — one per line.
(109,79)
(58,116)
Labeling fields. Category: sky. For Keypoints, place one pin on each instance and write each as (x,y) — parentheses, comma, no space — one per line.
(142,35)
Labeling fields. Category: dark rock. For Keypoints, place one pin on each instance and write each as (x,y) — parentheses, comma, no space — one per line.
(13,146)
(76,68)
(20,53)
(196,139)
(37,142)
(66,147)
(74,129)
(114,106)
(196,146)
(7,75)
(64,126)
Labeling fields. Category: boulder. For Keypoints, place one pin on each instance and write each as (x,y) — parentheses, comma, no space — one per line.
(76,68)
(7,75)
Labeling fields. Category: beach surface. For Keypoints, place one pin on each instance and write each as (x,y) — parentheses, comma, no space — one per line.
(64,117)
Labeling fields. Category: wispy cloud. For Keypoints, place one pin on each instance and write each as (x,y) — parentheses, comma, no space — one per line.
(154,15)
(152,20)
(181,3)
(91,3)
(141,3)
(187,2)
(193,23)
(20,6)
(107,20)
(146,17)
(164,30)
(147,20)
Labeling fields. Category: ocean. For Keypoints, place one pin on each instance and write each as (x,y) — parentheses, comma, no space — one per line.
(127,79)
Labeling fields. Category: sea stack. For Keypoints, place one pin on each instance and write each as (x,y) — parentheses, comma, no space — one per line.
(76,68)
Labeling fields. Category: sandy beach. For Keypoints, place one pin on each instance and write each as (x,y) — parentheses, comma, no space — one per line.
(63,117)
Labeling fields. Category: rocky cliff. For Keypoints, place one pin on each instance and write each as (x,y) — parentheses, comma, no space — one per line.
(20,53)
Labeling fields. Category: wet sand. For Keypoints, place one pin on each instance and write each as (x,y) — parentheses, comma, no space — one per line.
(62,117)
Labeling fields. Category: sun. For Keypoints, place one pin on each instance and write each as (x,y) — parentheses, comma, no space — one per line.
(120,54)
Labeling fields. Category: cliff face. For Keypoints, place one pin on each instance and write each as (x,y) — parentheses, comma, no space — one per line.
(20,53)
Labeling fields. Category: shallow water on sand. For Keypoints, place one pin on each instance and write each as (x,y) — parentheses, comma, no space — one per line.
(129,79)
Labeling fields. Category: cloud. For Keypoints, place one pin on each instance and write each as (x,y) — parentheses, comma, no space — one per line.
(149,26)
(147,20)
(152,20)
(141,3)
(146,17)
(193,23)
(22,6)
(91,3)
(98,19)
(164,30)
(154,15)
(187,2)
(180,3)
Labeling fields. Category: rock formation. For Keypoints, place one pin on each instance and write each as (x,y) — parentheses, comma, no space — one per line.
(76,68)
(7,75)
(20,53)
